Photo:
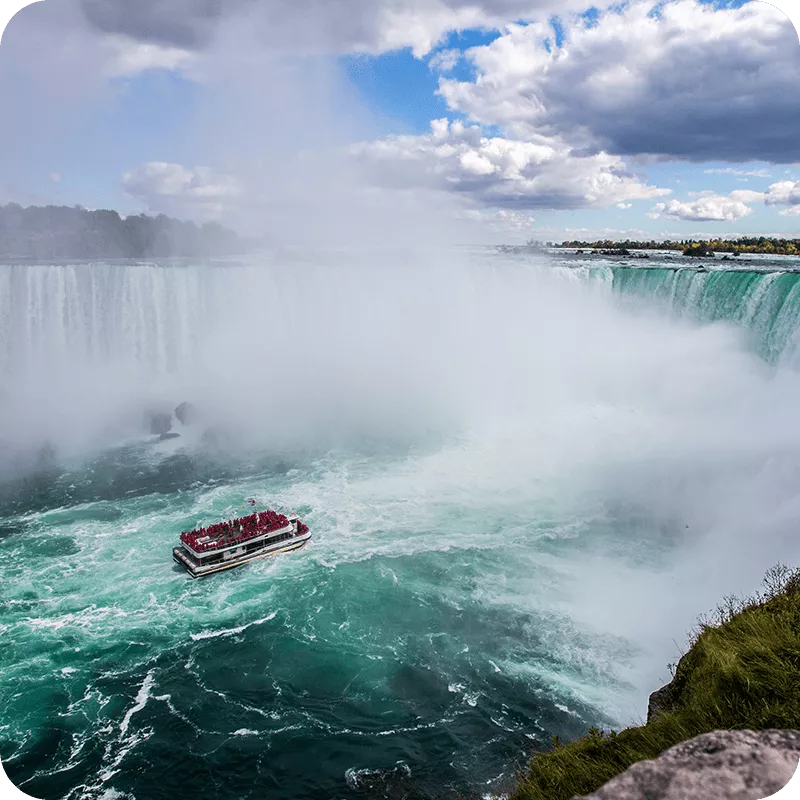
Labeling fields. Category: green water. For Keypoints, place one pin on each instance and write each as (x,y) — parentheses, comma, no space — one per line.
(514,515)
(392,654)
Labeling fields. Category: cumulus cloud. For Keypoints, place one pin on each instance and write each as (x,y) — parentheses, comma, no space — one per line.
(783,193)
(680,79)
(747,195)
(708,208)
(541,172)
(711,207)
(197,193)
(444,60)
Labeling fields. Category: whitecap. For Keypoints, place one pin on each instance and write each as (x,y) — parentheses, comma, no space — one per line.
(196,637)
(141,701)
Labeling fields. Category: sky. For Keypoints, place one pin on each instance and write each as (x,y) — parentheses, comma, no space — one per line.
(488,120)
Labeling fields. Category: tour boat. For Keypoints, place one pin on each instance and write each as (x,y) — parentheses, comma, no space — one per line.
(224,545)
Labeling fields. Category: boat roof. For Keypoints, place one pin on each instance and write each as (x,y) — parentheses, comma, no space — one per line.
(214,546)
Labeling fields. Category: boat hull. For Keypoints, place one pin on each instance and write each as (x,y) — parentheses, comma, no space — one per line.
(199,571)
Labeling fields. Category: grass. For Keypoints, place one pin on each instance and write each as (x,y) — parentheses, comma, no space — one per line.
(742,671)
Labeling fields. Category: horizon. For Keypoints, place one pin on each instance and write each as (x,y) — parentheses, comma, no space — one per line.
(676,238)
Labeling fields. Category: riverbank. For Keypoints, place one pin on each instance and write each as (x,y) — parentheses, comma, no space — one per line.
(740,673)
(744,244)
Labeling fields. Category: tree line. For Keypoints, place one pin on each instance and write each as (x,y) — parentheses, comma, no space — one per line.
(59,232)
(745,244)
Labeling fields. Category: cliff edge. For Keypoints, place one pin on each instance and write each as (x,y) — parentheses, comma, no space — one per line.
(736,689)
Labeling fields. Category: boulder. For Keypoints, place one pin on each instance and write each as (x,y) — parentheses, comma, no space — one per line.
(735,765)
(186,413)
(211,438)
(46,455)
(158,422)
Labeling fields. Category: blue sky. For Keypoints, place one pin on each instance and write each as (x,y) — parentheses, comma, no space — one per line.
(641,120)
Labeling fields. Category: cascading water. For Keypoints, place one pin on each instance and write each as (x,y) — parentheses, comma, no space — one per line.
(766,304)
(522,487)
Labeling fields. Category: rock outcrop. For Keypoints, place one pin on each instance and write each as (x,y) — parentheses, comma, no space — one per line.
(660,700)
(211,438)
(186,413)
(735,765)
(159,423)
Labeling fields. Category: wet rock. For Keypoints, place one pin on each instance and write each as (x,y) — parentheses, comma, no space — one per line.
(736,765)
(394,783)
(210,438)
(613,251)
(186,413)
(46,456)
(158,422)
(165,437)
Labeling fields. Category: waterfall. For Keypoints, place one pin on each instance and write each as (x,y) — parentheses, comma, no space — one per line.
(766,304)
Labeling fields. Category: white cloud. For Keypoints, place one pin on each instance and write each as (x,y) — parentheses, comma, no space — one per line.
(747,195)
(174,189)
(713,207)
(709,208)
(675,79)
(541,172)
(444,60)
(130,57)
(751,173)
(783,193)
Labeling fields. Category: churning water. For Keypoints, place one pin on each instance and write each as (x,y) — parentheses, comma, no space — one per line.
(524,480)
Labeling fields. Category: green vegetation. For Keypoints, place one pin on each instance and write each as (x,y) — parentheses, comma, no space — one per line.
(57,232)
(741,672)
(760,244)
(701,250)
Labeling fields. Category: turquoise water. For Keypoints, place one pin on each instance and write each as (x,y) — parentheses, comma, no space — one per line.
(765,304)
(513,480)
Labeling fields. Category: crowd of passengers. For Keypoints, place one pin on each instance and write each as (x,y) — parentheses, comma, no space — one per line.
(235,530)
